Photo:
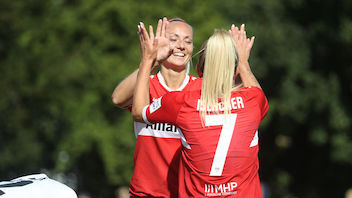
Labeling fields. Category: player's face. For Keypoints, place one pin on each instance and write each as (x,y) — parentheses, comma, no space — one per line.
(181,37)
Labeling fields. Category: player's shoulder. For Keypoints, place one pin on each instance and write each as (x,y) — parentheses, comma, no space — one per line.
(194,83)
(251,93)
(251,90)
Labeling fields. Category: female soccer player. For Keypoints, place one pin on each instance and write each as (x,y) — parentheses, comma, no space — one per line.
(218,119)
(157,151)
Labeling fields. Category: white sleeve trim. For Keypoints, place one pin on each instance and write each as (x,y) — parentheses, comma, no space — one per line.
(144,115)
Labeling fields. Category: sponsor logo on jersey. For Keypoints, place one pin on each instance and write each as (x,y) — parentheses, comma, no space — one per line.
(163,130)
(155,105)
(236,103)
(162,127)
(211,190)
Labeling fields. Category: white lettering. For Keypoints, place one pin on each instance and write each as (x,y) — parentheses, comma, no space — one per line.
(233,103)
(152,130)
(221,189)
(227,187)
(218,188)
(236,103)
(233,185)
(208,108)
(240,102)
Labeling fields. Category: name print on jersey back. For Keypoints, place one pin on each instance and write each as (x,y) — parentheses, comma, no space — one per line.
(236,103)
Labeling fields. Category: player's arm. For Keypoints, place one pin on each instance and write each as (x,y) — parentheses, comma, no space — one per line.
(149,48)
(123,93)
(141,92)
(244,46)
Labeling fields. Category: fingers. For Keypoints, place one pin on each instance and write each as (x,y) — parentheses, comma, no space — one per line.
(155,42)
(144,32)
(151,33)
(238,34)
(243,44)
(164,25)
(242,28)
(159,28)
(242,34)
(139,31)
(250,45)
(140,35)
(235,33)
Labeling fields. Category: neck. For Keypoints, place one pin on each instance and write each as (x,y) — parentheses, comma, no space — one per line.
(173,79)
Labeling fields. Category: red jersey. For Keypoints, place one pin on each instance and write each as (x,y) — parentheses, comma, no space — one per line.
(219,158)
(157,152)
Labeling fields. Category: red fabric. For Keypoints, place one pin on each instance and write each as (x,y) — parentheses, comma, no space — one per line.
(157,152)
(239,177)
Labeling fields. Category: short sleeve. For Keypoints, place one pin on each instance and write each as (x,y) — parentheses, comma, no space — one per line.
(164,109)
(260,98)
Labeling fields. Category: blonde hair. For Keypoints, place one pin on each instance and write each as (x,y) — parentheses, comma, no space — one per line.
(220,61)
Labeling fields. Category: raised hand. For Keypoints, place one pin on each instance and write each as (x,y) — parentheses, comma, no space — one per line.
(243,44)
(148,43)
(164,49)
(149,50)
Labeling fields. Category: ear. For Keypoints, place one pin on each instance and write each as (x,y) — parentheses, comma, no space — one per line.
(200,73)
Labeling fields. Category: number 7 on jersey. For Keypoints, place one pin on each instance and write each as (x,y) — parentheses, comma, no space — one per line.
(228,126)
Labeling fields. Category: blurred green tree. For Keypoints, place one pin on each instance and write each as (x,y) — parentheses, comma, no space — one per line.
(60,61)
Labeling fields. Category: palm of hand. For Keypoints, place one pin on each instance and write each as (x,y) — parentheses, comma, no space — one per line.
(148,50)
(243,44)
(164,50)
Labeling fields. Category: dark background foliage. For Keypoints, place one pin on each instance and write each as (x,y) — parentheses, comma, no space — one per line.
(60,61)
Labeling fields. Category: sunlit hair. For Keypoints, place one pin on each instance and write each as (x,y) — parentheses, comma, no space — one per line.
(219,59)
(201,59)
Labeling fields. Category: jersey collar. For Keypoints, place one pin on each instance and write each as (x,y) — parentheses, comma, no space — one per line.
(162,82)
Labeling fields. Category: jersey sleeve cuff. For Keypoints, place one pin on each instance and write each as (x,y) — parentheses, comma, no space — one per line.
(144,115)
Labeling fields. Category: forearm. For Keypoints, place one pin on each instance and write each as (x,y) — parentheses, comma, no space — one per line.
(141,92)
(247,77)
(123,93)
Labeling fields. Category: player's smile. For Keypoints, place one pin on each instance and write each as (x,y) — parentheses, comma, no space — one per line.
(178,54)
